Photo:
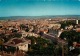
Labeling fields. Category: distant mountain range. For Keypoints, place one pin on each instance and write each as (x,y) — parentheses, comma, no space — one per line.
(41,17)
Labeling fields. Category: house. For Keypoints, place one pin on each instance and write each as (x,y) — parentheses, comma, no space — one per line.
(55,26)
(78,45)
(69,27)
(24,34)
(77,29)
(20,43)
(75,44)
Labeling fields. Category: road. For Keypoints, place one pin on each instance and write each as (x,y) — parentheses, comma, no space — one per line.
(54,39)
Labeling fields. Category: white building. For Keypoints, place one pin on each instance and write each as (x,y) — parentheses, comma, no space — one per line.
(76,21)
(24,34)
(55,26)
(59,33)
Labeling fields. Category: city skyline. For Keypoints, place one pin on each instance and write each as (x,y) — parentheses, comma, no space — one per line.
(39,7)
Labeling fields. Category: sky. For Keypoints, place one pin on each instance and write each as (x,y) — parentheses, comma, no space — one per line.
(39,7)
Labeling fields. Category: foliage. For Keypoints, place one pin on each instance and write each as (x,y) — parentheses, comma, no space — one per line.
(67,23)
(27,29)
(18,35)
(71,36)
(41,33)
(7,48)
(1,41)
(42,46)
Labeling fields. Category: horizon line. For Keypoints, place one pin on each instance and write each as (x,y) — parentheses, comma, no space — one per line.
(40,15)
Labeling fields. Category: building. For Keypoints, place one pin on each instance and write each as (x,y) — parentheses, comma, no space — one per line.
(59,32)
(76,21)
(20,43)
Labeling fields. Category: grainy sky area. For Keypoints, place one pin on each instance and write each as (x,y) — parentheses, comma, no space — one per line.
(39,7)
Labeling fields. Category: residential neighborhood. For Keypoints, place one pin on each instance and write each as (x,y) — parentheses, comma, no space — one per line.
(22,38)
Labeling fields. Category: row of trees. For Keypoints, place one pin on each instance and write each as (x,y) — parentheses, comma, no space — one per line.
(8,49)
(6,38)
(71,36)
(67,23)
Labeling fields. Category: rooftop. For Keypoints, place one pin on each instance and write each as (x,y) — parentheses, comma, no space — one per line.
(17,41)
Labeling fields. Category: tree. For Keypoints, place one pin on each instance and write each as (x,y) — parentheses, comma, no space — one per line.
(18,35)
(67,23)
(42,47)
(41,33)
(1,41)
(27,29)
(71,36)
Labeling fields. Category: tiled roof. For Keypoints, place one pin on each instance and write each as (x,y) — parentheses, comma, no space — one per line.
(16,42)
(78,44)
